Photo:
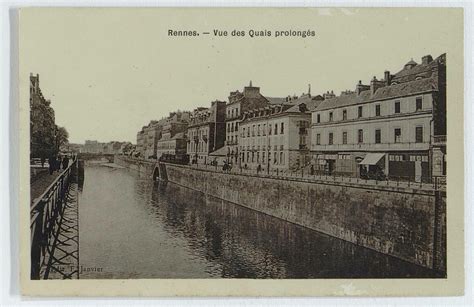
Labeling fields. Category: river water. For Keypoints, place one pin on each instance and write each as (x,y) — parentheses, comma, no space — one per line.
(132,227)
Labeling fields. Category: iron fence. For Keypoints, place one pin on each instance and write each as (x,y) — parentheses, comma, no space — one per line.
(424,183)
(45,214)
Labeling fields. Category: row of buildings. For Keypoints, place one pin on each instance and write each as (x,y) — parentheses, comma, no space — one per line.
(43,130)
(393,126)
(95,147)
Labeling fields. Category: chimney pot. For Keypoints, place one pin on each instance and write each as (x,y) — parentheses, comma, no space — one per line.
(427,59)
(387,77)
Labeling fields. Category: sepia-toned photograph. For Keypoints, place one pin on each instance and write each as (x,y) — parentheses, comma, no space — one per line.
(263,144)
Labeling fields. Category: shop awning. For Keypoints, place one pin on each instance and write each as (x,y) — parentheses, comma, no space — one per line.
(372,158)
(222,152)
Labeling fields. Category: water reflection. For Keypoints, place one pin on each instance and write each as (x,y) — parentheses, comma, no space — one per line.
(249,244)
(172,231)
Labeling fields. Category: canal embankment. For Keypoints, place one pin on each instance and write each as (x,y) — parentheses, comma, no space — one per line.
(405,222)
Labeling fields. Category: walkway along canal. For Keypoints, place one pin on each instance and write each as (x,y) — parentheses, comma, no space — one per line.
(133,227)
(54,228)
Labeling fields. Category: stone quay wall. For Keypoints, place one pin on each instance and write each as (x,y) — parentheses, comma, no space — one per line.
(145,167)
(406,223)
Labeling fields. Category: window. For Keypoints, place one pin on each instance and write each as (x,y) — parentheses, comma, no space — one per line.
(344,114)
(344,137)
(281,158)
(282,128)
(253,131)
(398,135)
(236,127)
(276,129)
(318,118)
(330,116)
(269,129)
(419,103)
(331,138)
(258,156)
(377,110)
(302,141)
(419,134)
(318,139)
(258,131)
(378,136)
(397,106)
(263,157)
(248,132)
(264,129)
(359,110)
(274,158)
(232,127)
(360,136)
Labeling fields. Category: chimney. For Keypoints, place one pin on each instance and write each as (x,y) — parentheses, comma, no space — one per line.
(328,95)
(251,91)
(361,87)
(375,84)
(309,90)
(427,59)
(387,77)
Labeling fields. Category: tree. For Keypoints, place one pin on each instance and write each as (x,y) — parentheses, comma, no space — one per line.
(62,137)
(127,148)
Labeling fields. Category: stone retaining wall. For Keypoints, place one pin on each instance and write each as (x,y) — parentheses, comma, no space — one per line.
(402,222)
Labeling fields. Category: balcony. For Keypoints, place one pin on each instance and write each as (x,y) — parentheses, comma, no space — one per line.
(303,131)
(231,142)
(439,140)
(366,146)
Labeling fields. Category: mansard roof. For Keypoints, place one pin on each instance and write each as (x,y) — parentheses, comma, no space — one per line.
(276,100)
(386,92)
(421,70)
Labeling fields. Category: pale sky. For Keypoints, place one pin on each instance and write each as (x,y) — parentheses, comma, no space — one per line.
(108,72)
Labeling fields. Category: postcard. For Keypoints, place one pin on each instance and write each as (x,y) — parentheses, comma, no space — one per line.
(241,151)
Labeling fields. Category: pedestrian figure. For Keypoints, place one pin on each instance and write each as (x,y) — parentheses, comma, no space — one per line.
(312,169)
(52,164)
(259,169)
(65,162)
(58,164)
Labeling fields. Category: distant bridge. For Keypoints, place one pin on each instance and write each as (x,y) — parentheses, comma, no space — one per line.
(86,156)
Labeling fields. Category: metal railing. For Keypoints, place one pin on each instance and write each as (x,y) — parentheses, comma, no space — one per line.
(425,183)
(439,139)
(45,213)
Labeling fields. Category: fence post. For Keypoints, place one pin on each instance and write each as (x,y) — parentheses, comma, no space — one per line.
(37,238)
